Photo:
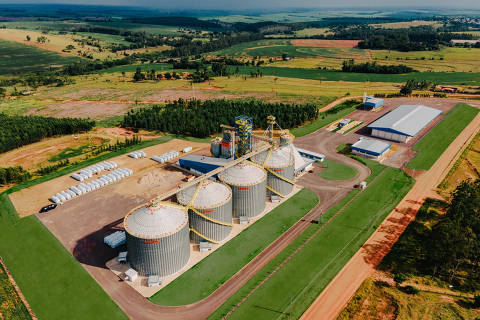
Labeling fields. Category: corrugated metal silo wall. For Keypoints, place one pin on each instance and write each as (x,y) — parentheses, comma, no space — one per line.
(162,256)
(211,229)
(215,149)
(249,201)
(278,184)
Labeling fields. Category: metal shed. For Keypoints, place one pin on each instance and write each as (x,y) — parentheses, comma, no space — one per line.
(370,148)
(403,123)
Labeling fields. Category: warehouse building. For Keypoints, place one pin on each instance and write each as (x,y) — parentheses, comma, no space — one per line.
(403,123)
(373,103)
(371,148)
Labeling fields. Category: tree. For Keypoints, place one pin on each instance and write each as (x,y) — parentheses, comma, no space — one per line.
(399,278)
(476,303)
(284,56)
(3,92)
(41,39)
(28,37)
(138,76)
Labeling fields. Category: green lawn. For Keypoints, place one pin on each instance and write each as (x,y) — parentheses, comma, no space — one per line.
(471,78)
(206,276)
(53,282)
(290,291)
(431,147)
(336,171)
(325,118)
(17,58)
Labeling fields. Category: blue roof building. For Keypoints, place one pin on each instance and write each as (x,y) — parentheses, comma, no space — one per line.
(373,102)
(404,122)
(370,148)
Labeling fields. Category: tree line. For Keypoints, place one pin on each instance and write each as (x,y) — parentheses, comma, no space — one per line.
(13,175)
(445,246)
(373,67)
(21,130)
(203,118)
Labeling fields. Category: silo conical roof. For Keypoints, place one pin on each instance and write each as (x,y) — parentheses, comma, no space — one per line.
(279,158)
(211,194)
(243,174)
(156,221)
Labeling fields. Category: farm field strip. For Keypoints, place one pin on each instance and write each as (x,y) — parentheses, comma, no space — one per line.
(291,289)
(202,279)
(45,271)
(431,147)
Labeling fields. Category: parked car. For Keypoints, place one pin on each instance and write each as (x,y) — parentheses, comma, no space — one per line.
(48,207)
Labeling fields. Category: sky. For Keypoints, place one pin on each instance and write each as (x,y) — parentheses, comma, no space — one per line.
(266,4)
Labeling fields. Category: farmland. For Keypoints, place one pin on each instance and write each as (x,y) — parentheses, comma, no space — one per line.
(439,138)
(210,273)
(293,287)
(28,58)
(12,306)
(46,272)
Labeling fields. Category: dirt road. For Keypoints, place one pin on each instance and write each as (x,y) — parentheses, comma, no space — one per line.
(337,294)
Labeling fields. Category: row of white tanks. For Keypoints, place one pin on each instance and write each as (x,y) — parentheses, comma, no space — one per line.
(158,237)
(82,188)
(87,172)
(166,157)
(137,154)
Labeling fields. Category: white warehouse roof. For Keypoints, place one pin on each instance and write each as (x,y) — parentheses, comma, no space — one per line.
(406,120)
(371,146)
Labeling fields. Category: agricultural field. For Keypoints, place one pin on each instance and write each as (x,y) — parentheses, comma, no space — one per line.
(336,171)
(47,272)
(407,24)
(12,306)
(202,279)
(378,298)
(308,32)
(17,58)
(111,94)
(325,248)
(466,167)
(431,147)
(54,42)
(460,78)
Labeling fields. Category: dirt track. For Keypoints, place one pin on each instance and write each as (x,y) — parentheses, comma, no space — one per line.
(337,294)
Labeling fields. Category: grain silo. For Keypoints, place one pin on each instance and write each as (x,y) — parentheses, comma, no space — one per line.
(210,212)
(280,165)
(228,144)
(216,147)
(248,183)
(158,239)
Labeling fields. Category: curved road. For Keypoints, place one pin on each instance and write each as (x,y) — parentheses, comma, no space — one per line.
(329,193)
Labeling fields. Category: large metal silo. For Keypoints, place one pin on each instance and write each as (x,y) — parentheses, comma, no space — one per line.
(280,165)
(216,147)
(158,239)
(228,144)
(210,213)
(248,183)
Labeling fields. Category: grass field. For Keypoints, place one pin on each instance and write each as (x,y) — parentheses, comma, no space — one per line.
(53,282)
(202,279)
(325,118)
(466,167)
(11,306)
(467,78)
(407,24)
(17,58)
(431,147)
(336,171)
(375,298)
(289,292)
(308,32)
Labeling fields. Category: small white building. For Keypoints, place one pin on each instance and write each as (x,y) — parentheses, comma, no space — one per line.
(131,275)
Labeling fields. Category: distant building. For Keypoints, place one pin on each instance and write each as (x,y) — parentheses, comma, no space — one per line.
(403,123)
(371,148)
(373,103)
(456,42)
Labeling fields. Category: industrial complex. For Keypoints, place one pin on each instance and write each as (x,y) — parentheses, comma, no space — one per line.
(168,207)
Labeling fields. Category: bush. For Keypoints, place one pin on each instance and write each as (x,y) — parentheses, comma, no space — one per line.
(476,302)
(399,278)
(410,290)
